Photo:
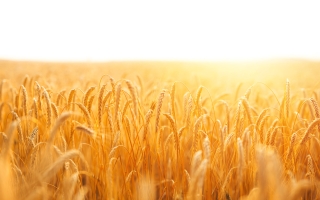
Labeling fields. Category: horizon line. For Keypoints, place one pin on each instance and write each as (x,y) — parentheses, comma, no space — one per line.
(162,60)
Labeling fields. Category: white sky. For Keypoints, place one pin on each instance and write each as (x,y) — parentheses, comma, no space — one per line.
(163,30)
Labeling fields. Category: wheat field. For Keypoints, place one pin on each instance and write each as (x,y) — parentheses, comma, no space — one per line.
(160,130)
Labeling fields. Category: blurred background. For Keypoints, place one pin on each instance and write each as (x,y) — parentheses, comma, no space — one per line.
(163,30)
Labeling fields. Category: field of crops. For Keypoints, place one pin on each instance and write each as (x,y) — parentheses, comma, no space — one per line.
(160,130)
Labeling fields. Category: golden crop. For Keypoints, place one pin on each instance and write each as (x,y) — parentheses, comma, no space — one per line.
(160,130)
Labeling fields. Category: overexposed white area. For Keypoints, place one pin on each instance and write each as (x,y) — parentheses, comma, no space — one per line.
(65,30)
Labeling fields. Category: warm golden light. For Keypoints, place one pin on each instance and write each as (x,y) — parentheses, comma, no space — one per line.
(159,100)
(159,130)
(167,30)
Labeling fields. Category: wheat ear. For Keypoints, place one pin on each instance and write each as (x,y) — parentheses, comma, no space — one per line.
(247,93)
(311,171)
(273,135)
(90,102)
(71,97)
(134,96)
(198,95)
(316,109)
(228,115)
(109,118)
(86,113)
(100,106)
(175,132)
(24,100)
(260,117)
(274,123)
(54,109)
(125,108)
(261,127)
(17,119)
(189,109)
(47,98)
(87,94)
(147,119)
(159,110)
(86,130)
(172,93)
(185,105)
(38,88)
(308,131)
(35,108)
(292,143)
(60,95)
(53,169)
(247,108)
(237,119)
(62,118)
(287,97)
(25,81)
(117,101)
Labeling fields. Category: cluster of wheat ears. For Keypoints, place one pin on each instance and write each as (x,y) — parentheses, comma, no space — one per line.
(123,139)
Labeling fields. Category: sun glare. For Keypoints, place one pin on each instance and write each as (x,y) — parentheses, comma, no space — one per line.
(141,30)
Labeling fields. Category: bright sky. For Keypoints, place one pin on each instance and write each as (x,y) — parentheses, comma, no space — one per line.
(65,30)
